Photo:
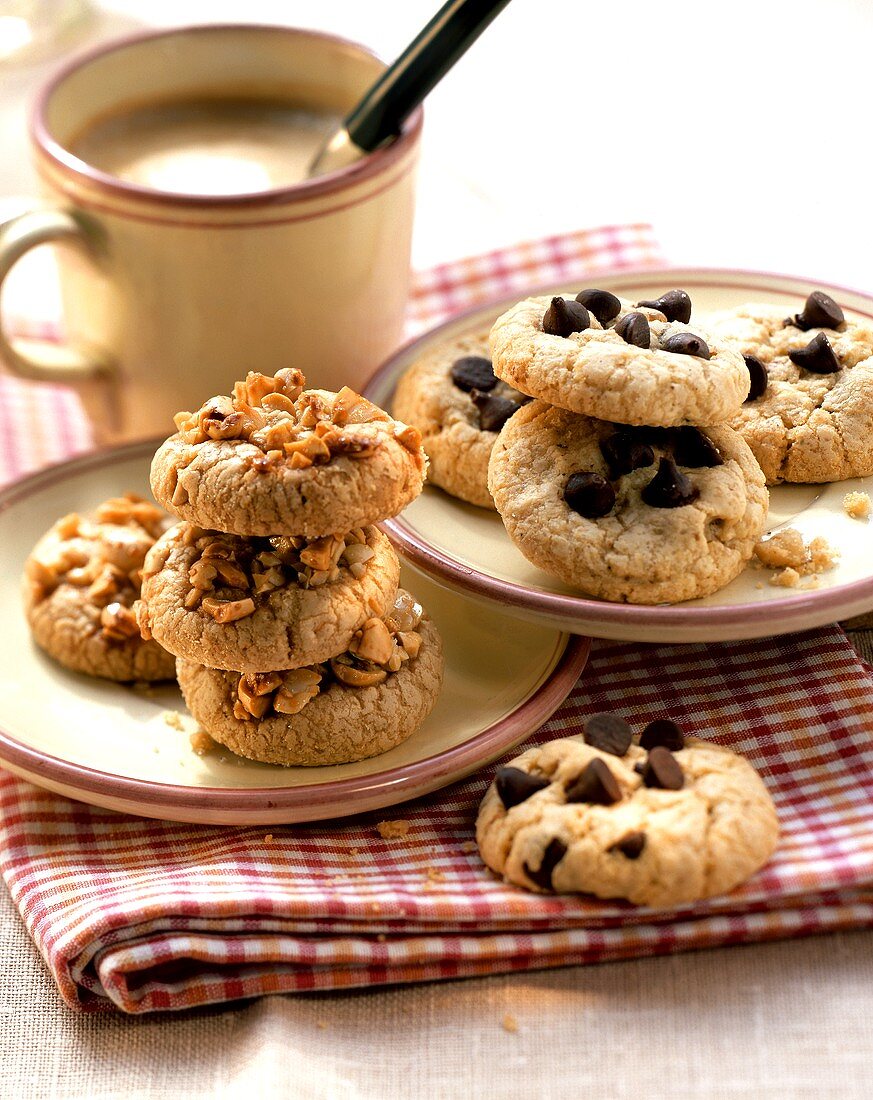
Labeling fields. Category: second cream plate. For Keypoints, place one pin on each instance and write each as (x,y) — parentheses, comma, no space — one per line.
(130,750)
(467,549)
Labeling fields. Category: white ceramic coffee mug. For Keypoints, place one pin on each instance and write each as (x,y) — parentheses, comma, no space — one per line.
(169,297)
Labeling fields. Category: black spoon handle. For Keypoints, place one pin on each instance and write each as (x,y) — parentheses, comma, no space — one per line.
(424,62)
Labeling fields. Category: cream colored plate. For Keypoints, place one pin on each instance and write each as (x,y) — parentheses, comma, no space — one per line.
(467,549)
(121,748)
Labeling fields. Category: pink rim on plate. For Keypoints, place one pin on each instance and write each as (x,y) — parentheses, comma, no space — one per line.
(622,619)
(312,801)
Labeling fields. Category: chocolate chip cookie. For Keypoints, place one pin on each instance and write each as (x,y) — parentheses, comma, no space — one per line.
(628,513)
(632,363)
(459,405)
(258,604)
(80,584)
(276,459)
(662,823)
(809,413)
(359,704)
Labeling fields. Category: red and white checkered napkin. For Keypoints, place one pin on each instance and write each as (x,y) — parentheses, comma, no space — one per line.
(159,916)
(151,916)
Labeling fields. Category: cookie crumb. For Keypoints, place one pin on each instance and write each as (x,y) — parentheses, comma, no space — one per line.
(393,830)
(468,846)
(760,584)
(321,1025)
(173,719)
(785,550)
(354,851)
(509,1023)
(381,937)
(375,907)
(268,839)
(856,505)
(434,874)
(201,742)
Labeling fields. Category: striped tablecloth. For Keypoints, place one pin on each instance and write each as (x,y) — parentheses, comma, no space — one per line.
(152,916)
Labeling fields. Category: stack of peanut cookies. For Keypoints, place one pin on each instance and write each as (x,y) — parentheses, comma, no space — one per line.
(275,592)
(623,477)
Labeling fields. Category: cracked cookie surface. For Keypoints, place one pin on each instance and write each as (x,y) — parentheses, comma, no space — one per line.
(633,552)
(652,846)
(257,604)
(330,721)
(597,372)
(276,459)
(449,418)
(80,583)
(805,426)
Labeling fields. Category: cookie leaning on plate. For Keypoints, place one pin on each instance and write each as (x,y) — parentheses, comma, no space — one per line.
(257,604)
(641,515)
(80,583)
(809,415)
(663,823)
(458,404)
(361,703)
(615,360)
(276,459)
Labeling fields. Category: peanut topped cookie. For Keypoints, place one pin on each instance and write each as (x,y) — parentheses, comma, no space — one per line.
(809,413)
(629,363)
(81,581)
(260,604)
(664,822)
(459,405)
(275,459)
(359,704)
(633,514)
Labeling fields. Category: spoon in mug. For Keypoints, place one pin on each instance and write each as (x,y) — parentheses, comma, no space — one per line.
(401,88)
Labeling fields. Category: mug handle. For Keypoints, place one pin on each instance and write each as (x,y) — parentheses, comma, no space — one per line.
(90,369)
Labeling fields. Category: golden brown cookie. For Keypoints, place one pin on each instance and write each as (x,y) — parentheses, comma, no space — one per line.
(662,825)
(641,365)
(459,405)
(275,459)
(258,604)
(360,704)
(81,581)
(809,415)
(631,514)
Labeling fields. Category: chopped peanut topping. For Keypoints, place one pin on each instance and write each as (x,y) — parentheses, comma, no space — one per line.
(376,652)
(297,427)
(103,554)
(228,611)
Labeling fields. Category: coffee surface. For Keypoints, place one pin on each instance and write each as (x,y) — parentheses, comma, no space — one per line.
(208,147)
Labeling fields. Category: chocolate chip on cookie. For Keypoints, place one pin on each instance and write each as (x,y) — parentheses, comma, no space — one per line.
(818,357)
(631,845)
(675,305)
(669,488)
(473,372)
(552,856)
(601,303)
(590,495)
(515,786)
(563,318)
(595,784)
(686,343)
(623,452)
(819,311)
(494,411)
(634,329)
(662,732)
(662,770)
(694,449)
(609,733)
(757,378)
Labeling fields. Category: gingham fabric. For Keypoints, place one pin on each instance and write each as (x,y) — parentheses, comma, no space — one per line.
(151,916)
